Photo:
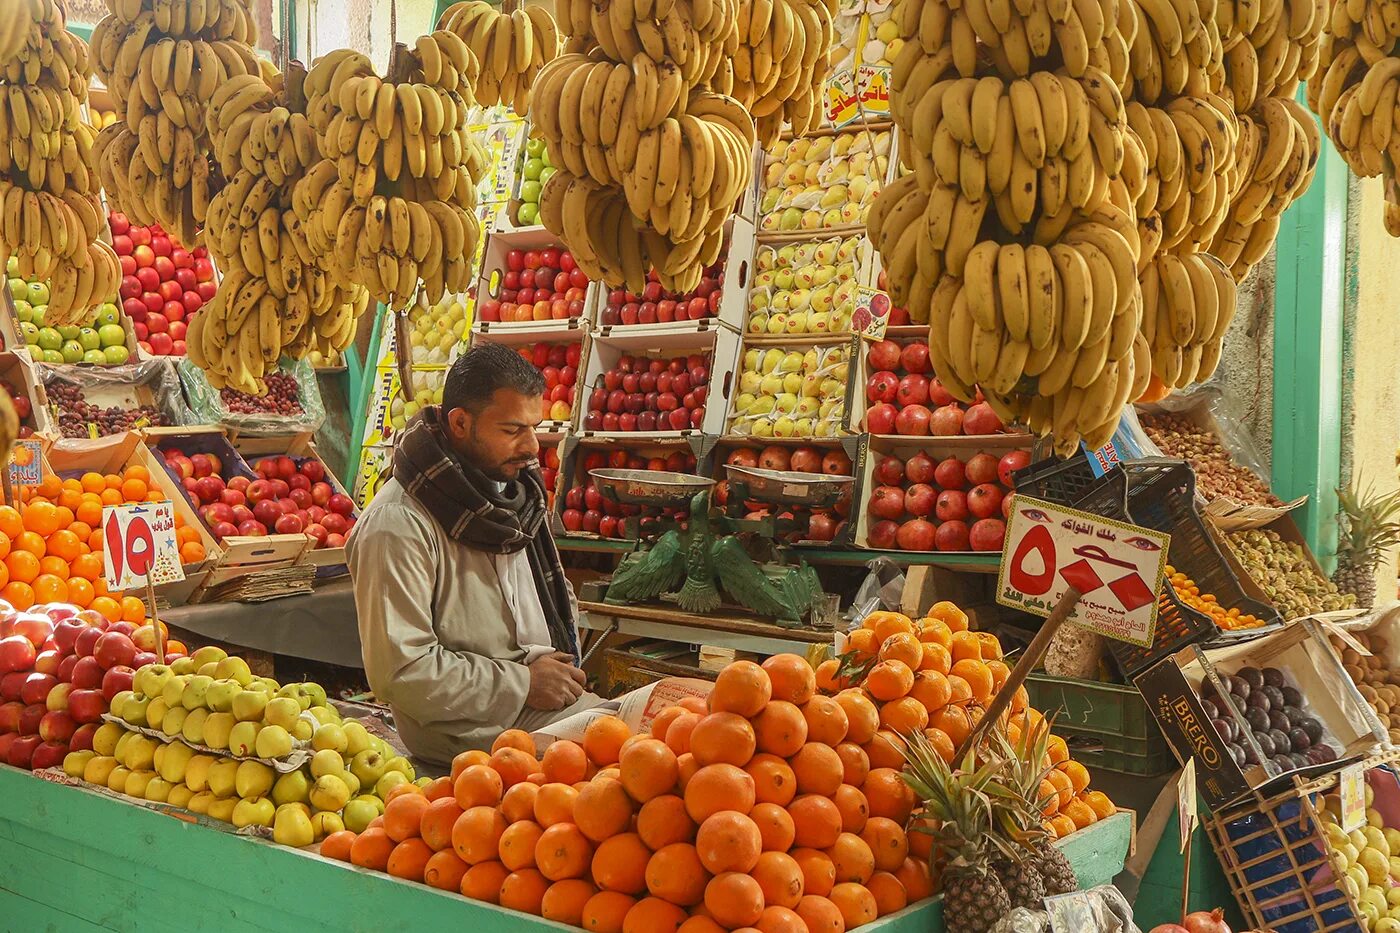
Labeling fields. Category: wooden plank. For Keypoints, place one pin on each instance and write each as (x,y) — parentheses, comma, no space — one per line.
(734,624)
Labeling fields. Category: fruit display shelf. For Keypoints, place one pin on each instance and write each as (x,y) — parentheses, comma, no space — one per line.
(793,389)
(76,858)
(107,339)
(581,511)
(90,403)
(561,364)
(805,285)
(19,380)
(816,526)
(530,284)
(826,180)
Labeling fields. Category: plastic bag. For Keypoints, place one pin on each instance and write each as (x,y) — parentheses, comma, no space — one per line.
(211,406)
(1102,909)
(882,588)
(118,393)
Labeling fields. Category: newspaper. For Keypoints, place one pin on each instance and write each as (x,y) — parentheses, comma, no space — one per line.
(637,709)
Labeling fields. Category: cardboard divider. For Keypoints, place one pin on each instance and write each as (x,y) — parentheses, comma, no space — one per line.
(17,369)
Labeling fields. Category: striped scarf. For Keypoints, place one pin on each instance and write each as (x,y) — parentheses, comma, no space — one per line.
(474,511)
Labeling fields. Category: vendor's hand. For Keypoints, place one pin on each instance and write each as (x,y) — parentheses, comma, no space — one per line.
(554,682)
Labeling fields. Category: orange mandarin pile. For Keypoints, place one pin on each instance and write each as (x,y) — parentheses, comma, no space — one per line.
(1190,593)
(769,807)
(51,548)
(935,676)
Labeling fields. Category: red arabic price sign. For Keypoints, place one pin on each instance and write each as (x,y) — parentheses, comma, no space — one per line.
(139,545)
(1116,567)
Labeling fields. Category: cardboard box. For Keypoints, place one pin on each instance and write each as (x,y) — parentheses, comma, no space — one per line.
(499,244)
(122,387)
(825,360)
(513,336)
(17,369)
(1173,690)
(727,446)
(777,254)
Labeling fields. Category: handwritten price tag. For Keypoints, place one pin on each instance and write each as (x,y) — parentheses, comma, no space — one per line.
(842,98)
(873,89)
(139,545)
(27,463)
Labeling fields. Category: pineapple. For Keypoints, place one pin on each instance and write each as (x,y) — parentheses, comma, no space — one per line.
(1023,883)
(1019,812)
(974,898)
(1369,526)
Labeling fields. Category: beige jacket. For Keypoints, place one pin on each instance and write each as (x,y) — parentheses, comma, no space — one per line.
(438,634)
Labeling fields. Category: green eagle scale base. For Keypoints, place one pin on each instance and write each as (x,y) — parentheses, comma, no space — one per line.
(697,565)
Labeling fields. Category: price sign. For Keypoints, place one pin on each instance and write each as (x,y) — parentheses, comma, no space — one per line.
(873,86)
(139,545)
(1186,802)
(1353,793)
(842,98)
(27,463)
(872,314)
(1116,567)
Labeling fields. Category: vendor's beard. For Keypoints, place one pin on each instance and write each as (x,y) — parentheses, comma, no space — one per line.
(506,472)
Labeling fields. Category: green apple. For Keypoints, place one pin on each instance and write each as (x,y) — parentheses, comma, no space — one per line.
(37,293)
(253,811)
(235,669)
(197,772)
(358,813)
(329,736)
(534,148)
(527,215)
(327,761)
(89,340)
(547,174)
(329,793)
(116,355)
(530,191)
(119,751)
(294,692)
(292,827)
(387,782)
(75,763)
(52,357)
(95,356)
(357,738)
(23,310)
(72,351)
(49,339)
(249,705)
(254,779)
(174,688)
(68,331)
(220,695)
(368,766)
(273,742)
(532,168)
(19,289)
(30,332)
(222,808)
(223,778)
(292,787)
(106,314)
(217,728)
(193,695)
(176,762)
(193,730)
(282,711)
(151,679)
(243,738)
(39,315)
(316,692)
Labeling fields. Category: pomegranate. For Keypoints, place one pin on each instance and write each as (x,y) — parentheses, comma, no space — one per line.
(1206,921)
(913,390)
(806,460)
(887,502)
(822,527)
(946,421)
(982,468)
(882,387)
(1169,928)
(890,471)
(950,474)
(744,457)
(951,505)
(914,358)
(984,501)
(939,395)
(920,468)
(919,500)
(915,535)
(880,419)
(951,536)
(913,421)
(836,463)
(775,458)
(886,355)
(1009,464)
(980,419)
(882,535)
(988,534)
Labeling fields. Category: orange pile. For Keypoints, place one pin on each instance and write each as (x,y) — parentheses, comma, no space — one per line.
(51,548)
(936,676)
(770,807)
(1190,593)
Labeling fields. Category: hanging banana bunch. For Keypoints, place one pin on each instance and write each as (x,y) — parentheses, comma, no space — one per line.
(51,214)
(162,60)
(25,25)
(511,48)
(779,71)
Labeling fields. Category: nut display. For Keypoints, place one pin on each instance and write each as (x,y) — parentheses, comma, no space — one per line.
(1286,575)
(1217,474)
(1377,683)
(1189,593)
(77,417)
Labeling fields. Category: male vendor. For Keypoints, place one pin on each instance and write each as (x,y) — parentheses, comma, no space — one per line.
(467,624)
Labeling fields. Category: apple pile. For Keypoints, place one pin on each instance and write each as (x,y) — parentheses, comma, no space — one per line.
(101,341)
(642,394)
(904,397)
(537,285)
(24,408)
(285,497)
(655,305)
(585,509)
(60,667)
(163,284)
(549,471)
(921,504)
(558,364)
(823,524)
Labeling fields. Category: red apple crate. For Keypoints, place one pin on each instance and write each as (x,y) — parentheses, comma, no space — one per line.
(574,452)
(18,370)
(240,554)
(874,449)
(491,279)
(549,428)
(736,269)
(824,447)
(113,454)
(328,561)
(909,391)
(719,344)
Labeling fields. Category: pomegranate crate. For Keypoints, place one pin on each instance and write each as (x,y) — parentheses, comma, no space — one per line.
(825,527)
(957,483)
(17,371)
(581,512)
(715,349)
(568,312)
(621,312)
(898,394)
(69,459)
(241,554)
(328,560)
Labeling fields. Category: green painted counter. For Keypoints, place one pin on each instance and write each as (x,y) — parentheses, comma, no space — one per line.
(75,860)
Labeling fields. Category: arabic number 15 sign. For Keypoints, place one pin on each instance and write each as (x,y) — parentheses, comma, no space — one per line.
(1116,567)
(139,545)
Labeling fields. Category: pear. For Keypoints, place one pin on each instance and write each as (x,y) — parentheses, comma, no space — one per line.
(116,778)
(157,790)
(330,736)
(253,811)
(243,738)
(282,711)
(402,765)
(75,763)
(351,781)
(222,809)
(325,823)
(356,737)
(217,728)
(387,782)
(292,787)
(330,793)
(358,814)
(175,763)
(234,669)
(249,705)
(302,730)
(207,654)
(327,761)
(254,779)
(200,802)
(174,689)
(180,796)
(223,778)
(273,742)
(220,695)
(99,767)
(195,722)
(136,782)
(197,772)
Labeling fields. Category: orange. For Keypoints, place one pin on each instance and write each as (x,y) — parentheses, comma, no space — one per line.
(862,718)
(792,678)
(960,690)
(10,522)
(1098,802)
(826,720)
(437,822)
(653,915)
(699,923)
(516,847)
(70,498)
(518,803)
(773,778)
(820,915)
(524,891)
(55,566)
(603,809)
(136,471)
(853,806)
(817,820)
(111,497)
(50,589)
(775,919)
(780,878)
(889,680)
(192,552)
(780,729)
(991,648)
(904,715)
(728,841)
(949,614)
(19,595)
(112,481)
(774,825)
(718,787)
(888,892)
(723,737)
(1081,813)
(514,738)
(564,762)
(563,852)
(64,545)
(855,763)
(743,688)
(978,677)
(5,575)
(444,871)
(818,873)
(734,900)
(23,566)
(966,645)
(1000,674)
(31,543)
(648,767)
(4,545)
(371,849)
(109,608)
(565,900)
(889,796)
(818,769)
(1063,786)
(41,517)
(1056,750)
(512,764)
(478,785)
(1078,775)
(133,490)
(1062,826)
(677,874)
(603,739)
(662,821)
(476,835)
(465,760)
(619,864)
(409,860)
(856,903)
(887,749)
(93,482)
(852,858)
(133,609)
(679,731)
(662,721)
(403,814)
(337,845)
(902,646)
(50,486)
(606,911)
(483,881)
(554,803)
(89,511)
(913,874)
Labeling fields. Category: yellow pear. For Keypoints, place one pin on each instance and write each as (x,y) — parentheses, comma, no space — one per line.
(174,721)
(253,811)
(327,761)
(155,713)
(207,654)
(303,729)
(223,778)
(292,827)
(140,754)
(254,779)
(235,669)
(357,738)
(222,808)
(326,822)
(173,690)
(292,787)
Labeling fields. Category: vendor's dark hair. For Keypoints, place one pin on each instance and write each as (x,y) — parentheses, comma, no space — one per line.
(483,369)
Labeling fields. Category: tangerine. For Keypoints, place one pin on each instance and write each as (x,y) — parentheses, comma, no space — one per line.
(774,825)
(902,646)
(792,678)
(780,878)
(565,900)
(743,688)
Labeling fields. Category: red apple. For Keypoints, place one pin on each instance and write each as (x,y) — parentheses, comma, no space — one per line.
(36,688)
(57,726)
(87,673)
(86,705)
(22,749)
(17,653)
(30,717)
(116,680)
(82,737)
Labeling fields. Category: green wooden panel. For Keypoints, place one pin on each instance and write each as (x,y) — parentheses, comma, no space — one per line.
(1309,293)
(74,859)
